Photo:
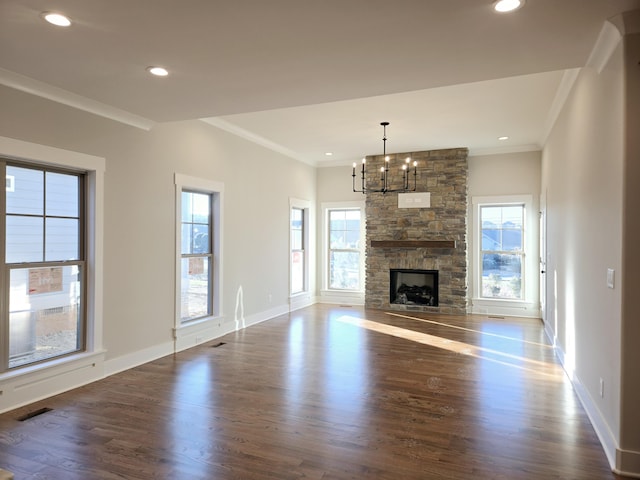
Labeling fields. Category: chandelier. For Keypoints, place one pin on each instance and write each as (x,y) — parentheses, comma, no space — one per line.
(384,172)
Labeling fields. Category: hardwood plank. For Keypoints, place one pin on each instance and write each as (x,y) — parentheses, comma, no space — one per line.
(324,393)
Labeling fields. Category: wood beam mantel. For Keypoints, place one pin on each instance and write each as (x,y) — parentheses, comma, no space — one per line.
(413,244)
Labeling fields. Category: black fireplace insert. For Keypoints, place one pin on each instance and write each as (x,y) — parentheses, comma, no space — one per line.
(413,287)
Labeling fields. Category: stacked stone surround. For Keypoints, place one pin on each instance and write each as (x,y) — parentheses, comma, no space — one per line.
(443,173)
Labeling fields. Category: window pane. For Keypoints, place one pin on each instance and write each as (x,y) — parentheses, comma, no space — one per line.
(296,218)
(186,238)
(512,240)
(512,217)
(25,237)
(337,220)
(491,239)
(44,313)
(62,195)
(297,272)
(195,287)
(344,270)
(27,193)
(501,275)
(353,239)
(187,200)
(296,240)
(201,239)
(201,207)
(62,239)
(337,239)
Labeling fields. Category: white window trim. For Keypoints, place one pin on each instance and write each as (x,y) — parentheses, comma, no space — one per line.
(305,206)
(339,295)
(197,331)
(528,305)
(25,384)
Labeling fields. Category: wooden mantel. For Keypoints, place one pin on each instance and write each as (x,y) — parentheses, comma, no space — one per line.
(413,244)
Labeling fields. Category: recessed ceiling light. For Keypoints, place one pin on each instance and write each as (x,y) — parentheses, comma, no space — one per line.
(56,19)
(503,138)
(158,71)
(504,6)
(328,154)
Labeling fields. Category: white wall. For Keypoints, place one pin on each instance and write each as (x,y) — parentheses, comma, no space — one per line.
(582,176)
(501,175)
(139,240)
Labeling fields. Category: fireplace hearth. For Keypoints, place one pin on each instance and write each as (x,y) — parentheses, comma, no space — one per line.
(413,287)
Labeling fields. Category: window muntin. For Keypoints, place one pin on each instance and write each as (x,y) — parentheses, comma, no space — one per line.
(502,251)
(297,250)
(196,252)
(44,265)
(344,249)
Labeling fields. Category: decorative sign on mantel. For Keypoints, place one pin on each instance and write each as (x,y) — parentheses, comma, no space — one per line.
(414,200)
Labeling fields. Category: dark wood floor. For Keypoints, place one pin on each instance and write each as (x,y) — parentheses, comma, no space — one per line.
(325,393)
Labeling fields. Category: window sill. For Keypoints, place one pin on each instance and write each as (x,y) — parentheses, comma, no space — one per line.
(500,306)
(200,331)
(73,360)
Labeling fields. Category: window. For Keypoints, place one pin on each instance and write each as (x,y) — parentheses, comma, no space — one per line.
(502,250)
(298,251)
(344,256)
(196,265)
(198,253)
(44,264)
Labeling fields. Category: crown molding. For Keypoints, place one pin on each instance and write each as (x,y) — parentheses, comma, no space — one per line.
(257,139)
(64,97)
(604,47)
(562,94)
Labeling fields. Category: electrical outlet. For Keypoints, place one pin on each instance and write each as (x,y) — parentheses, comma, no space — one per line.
(601,388)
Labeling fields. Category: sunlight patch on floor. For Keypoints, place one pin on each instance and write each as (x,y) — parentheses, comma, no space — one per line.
(483,353)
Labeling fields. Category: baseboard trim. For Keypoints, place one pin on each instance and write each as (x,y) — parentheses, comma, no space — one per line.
(622,462)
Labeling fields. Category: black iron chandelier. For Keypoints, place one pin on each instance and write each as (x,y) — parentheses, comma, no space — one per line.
(384,172)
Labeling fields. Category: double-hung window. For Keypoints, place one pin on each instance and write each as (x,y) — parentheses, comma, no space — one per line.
(344,255)
(196,256)
(199,210)
(298,250)
(502,253)
(43,258)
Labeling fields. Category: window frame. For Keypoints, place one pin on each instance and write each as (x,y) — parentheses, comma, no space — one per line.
(80,261)
(216,191)
(208,255)
(304,206)
(355,297)
(327,263)
(528,304)
(521,253)
(47,374)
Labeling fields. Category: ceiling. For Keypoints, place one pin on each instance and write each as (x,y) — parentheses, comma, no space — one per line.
(306,77)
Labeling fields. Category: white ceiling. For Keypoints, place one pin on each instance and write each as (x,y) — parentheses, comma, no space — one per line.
(305,77)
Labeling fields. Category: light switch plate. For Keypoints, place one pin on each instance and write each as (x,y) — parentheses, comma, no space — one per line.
(611,275)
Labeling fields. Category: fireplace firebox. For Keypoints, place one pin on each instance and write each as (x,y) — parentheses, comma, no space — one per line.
(413,287)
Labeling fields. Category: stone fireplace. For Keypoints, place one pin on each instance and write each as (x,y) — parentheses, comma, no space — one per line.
(429,239)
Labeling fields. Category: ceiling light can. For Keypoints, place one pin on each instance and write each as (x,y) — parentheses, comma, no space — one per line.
(505,6)
(158,71)
(57,19)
